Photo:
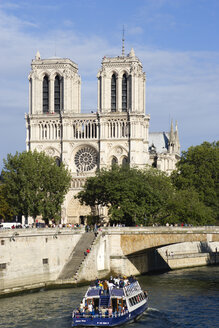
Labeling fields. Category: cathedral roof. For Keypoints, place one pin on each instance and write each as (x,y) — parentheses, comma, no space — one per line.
(159,140)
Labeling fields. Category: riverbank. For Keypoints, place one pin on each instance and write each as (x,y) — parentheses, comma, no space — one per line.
(37,258)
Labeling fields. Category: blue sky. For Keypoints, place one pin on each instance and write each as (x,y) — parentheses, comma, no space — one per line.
(177,42)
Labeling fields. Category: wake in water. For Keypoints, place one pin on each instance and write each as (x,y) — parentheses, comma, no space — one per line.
(152,317)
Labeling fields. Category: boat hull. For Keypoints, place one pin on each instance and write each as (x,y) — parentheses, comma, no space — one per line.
(93,321)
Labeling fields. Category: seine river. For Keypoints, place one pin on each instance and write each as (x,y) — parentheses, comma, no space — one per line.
(177,299)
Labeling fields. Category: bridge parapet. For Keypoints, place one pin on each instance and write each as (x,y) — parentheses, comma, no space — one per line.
(161,229)
(129,240)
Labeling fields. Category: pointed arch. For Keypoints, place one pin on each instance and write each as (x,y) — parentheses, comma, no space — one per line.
(114,161)
(125,161)
(124,92)
(113,92)
(57,94)
(46,94)
(58,161)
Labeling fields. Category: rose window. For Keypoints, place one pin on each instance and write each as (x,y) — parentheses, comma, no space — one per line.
(86,159)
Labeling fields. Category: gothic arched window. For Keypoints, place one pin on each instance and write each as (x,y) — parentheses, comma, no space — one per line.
(58,161)
(45,94)
(114,161)
(113,93)
(57,94)
(124,93)
(124,161)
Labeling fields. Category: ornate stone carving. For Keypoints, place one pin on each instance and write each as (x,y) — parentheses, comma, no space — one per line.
(39,148)
(68,74)
(50,151)
(119,150)
(86,159)
(33,75)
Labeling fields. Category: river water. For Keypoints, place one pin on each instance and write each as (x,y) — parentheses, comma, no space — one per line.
(177,299)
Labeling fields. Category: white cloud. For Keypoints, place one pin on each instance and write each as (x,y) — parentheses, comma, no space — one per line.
(135,30)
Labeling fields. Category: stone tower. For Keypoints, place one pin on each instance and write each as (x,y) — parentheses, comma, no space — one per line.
(117,133)
(121,110)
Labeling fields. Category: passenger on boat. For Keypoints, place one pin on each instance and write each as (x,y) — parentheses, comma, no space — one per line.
(116,281)
(110,311)
(121,283)
(105,287)
(131,279)
(97,281)
(101,285)
(110,285)
(81,309)
(126,281)
(90,307)
(111,279)
(104,312)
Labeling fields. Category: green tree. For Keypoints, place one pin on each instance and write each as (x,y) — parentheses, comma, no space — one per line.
(185,207)
(34,184)
(6,211)
(132,196)
(198,169)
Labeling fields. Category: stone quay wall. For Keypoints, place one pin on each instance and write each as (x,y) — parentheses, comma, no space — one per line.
(34,258)
(31,257)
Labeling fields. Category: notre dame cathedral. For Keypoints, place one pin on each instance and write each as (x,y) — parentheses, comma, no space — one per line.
(118,132)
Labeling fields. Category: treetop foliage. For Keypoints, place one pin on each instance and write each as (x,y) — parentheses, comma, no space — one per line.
(148,196)
(34,184)
(132,196)
(198,169)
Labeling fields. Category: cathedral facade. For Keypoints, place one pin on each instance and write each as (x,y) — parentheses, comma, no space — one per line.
(117,133)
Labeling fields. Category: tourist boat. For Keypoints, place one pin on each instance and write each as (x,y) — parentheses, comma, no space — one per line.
(112,307)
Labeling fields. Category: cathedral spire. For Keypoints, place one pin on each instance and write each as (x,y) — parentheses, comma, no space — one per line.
(171,138)
(171,133)
(177,138)
(132,53)
(123,41)
(37,57)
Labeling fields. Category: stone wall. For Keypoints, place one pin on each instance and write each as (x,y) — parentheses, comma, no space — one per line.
(190,254)
(33,256)
(136,250)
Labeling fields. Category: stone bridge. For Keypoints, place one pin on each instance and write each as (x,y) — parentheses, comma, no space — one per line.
(136,250)
(36,258)
(130,240)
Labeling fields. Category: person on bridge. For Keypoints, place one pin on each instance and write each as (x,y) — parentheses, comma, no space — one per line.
(88,251)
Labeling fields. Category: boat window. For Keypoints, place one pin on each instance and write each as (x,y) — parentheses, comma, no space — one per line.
(96,302)
(119,305)
(114,304)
